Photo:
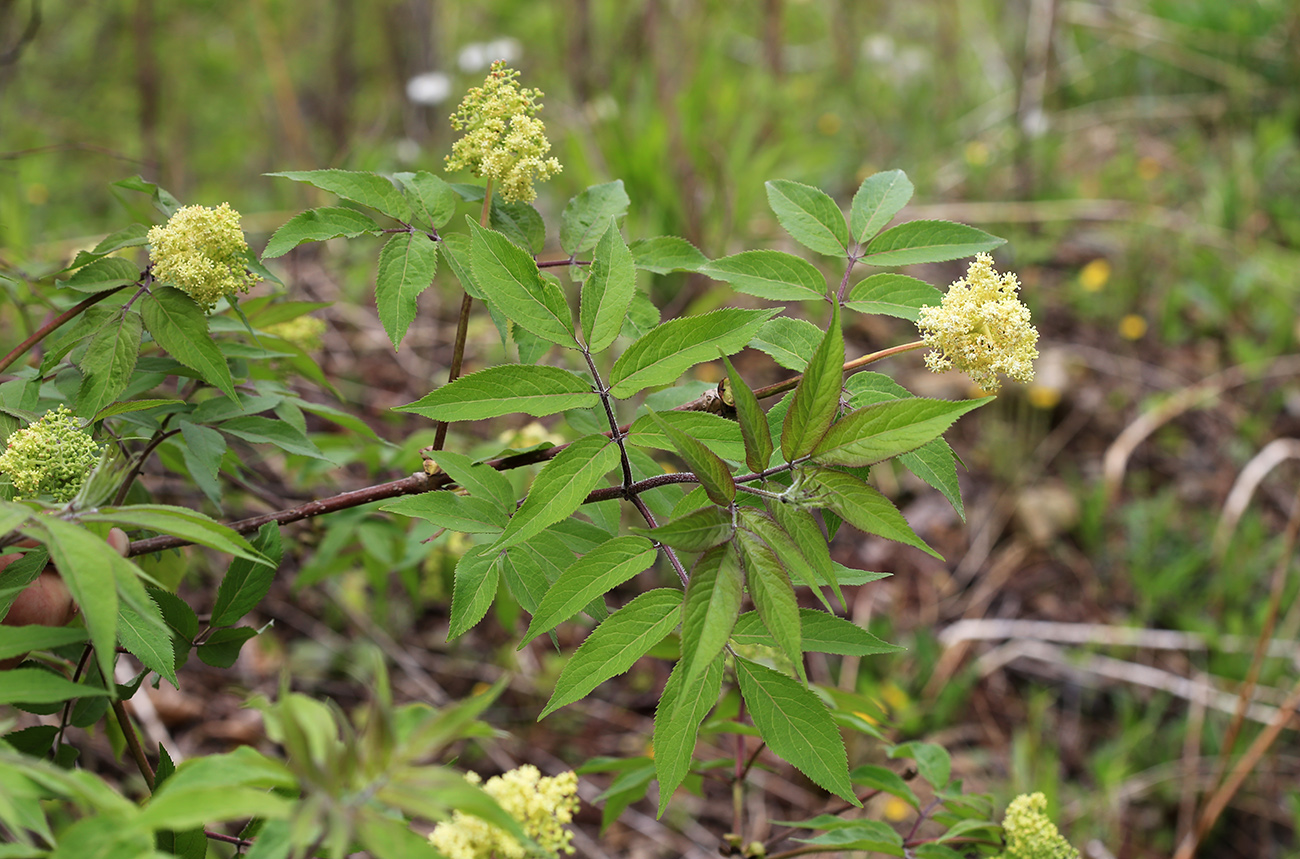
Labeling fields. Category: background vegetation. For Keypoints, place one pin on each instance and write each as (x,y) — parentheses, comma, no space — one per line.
(1142,158)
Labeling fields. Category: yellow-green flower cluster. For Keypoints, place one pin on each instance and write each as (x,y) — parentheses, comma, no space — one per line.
(504,141)
(202,251)
(305,332)
(981,328)
(541,805)
(1030,834)
(50,457)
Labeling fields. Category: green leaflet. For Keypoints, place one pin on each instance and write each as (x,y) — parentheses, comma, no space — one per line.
(368,189)
(477,574)
(822,633)
(407,265)
(887,780)
(754,430)
(560,487)
(520,223)
(463,513)
(182,522)
(179,326)
(247,581)
(664,254)
(788,552)
(612,648)
(867,388)
(103,274)
(872,836)
(694,532)
(810,216)
(712,473)
(932,761)
(796,725)
(130,236)
(677,719)
(480,480)
(196,806)
(773,595)
(318,225)
(503,390)
(510,279)
(80,557)
(608,290)
(432,200)
(774,275)
(587,216)
(927,241)
(892,295)
(812,543)
(587,578)
(108,362)
(457,252)
(817,398)
(878,199)
(38,686)
(709,611)
(148,639)
(876,433)
(863,507)
(280,433)
(936,464)
(933,462)
(17,640)
(790,342)
(671,349)
(722,436)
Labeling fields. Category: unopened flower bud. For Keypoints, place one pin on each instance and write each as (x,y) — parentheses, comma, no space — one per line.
(50,457)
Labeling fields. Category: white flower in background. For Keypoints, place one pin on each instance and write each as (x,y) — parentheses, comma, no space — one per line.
(428,88)
(477,56)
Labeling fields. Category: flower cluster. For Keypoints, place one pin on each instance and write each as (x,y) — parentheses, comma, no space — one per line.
(504,141)
(1030,834)
(981,328)
(50,457)
(305,332)
(541,805)
(202,251)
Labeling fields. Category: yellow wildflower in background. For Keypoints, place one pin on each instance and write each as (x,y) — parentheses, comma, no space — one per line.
(1030,834)
(504,141)
(50,457)
(981,328)
(202,252)
(541,805)
(305,332)
(1094,275)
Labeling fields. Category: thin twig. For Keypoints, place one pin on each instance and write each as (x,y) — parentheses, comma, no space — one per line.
(462,323)
(133,743)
